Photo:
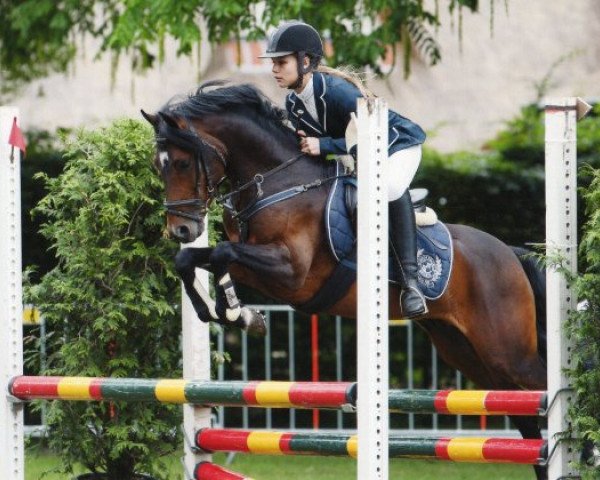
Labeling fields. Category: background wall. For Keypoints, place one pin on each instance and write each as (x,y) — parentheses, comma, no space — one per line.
(480,83)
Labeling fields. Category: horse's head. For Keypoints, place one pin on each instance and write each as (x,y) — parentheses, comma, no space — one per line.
(192,164)
(197,135)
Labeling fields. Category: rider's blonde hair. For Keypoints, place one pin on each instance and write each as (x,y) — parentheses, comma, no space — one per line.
(350,75)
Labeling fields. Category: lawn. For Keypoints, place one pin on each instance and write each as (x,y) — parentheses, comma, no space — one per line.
(315,468)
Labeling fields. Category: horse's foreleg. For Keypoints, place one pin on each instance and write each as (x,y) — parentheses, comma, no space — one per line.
(227,310)
(270,261)
(186,262)
(231,311)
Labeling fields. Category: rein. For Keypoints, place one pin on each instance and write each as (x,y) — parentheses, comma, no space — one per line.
(245,214)
(258,179)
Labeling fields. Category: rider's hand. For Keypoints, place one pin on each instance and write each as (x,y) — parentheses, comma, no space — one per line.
(310,145)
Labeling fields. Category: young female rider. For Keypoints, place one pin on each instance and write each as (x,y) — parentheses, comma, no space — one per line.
(320,105)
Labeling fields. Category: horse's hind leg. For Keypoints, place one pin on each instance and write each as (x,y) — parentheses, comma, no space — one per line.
(512,358)
(529,428)
(457,351)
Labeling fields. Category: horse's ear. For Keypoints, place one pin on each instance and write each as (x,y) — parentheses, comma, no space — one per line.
(169,119)
(151,119)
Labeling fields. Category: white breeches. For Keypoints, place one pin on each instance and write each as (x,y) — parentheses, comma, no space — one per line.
(402,167)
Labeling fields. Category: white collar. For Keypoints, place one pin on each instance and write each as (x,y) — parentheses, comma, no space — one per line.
(308,92)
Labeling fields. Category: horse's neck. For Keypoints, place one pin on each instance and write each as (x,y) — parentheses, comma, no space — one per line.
(253,152)
(247,160)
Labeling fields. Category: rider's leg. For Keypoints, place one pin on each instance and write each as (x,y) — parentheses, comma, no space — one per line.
(402,166)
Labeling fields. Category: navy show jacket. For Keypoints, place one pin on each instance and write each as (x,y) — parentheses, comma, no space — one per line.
(335,99)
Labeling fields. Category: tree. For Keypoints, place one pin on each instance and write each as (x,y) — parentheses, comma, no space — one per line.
(111,302)
(42,36)
(584,329)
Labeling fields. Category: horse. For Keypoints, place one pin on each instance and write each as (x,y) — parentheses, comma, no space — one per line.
(229,144)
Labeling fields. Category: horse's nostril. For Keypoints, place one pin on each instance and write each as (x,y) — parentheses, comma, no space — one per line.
(182,232)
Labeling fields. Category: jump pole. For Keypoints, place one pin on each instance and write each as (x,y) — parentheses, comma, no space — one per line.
(11,314)
(372,283)
(275,394)
(459,449)
(561,117)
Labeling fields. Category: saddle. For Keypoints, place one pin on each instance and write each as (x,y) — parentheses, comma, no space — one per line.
(434,245)
(424,215)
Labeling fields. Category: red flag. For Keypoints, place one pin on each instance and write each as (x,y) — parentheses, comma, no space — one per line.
(16,138)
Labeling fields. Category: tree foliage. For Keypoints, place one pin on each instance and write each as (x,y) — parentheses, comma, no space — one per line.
(111,302)
(43,155)
(583,326)
(42,36)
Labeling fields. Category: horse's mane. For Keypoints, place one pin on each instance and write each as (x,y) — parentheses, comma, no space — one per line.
(217,97)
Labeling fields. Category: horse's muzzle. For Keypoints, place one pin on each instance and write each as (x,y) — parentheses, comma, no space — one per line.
(186,226)
(186,232)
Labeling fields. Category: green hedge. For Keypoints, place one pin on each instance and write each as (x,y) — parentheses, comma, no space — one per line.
(111,303)
(583,326)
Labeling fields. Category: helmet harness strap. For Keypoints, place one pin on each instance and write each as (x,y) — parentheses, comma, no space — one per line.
(312,64)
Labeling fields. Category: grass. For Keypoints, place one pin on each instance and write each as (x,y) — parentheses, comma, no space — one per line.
(314,468)
(319,468)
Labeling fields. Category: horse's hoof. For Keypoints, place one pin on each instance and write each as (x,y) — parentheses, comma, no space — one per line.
(255,322)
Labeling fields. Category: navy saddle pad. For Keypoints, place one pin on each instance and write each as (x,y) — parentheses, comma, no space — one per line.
(434,244)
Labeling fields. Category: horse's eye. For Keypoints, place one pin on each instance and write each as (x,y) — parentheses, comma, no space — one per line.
(182,164)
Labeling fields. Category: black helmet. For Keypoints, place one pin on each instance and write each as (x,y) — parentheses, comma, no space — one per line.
(292,37)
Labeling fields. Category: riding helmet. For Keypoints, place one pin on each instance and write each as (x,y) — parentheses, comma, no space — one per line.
(294,36)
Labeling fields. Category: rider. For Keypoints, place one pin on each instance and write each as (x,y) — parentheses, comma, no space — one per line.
(320,104)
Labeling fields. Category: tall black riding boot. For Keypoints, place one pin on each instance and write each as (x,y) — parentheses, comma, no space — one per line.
(403,239)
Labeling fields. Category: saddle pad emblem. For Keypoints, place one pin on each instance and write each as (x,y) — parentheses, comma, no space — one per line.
(429,268)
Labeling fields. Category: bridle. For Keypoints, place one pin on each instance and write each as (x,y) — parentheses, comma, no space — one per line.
(194,143)
(189,140)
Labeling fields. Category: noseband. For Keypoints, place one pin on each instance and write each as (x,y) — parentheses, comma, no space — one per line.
(192,202)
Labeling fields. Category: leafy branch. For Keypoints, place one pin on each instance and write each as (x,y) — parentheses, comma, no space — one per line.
(40,37)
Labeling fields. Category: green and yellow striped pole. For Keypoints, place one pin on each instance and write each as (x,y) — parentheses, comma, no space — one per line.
(464,449)
(269,394)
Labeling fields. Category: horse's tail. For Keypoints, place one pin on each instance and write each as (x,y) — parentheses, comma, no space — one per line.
(537,278)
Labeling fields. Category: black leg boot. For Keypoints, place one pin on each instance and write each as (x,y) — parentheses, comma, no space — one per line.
(403,239)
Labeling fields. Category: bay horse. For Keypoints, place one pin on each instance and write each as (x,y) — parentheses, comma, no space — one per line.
(230,144)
